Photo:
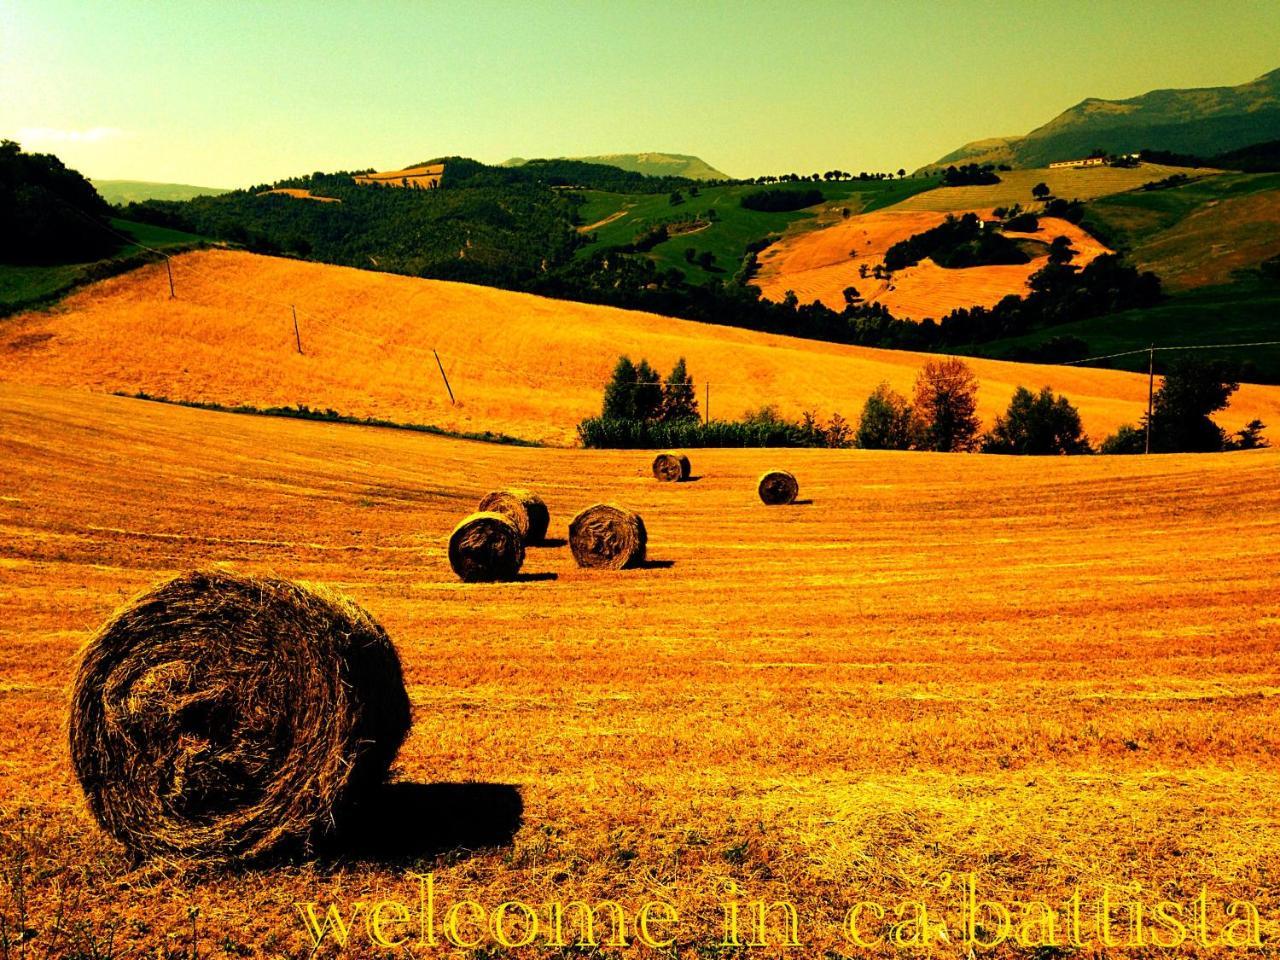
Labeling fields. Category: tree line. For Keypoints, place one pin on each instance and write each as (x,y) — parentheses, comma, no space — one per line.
(640,409)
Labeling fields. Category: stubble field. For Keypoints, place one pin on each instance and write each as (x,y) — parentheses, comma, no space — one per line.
(1057,673)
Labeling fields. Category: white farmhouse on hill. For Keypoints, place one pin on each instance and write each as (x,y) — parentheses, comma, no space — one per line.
(1086,162)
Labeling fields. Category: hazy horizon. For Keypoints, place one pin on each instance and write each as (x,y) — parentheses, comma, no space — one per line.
(236,94)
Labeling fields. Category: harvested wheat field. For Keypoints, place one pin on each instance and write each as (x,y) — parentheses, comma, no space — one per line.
(517,364)
(1070,183)
(1056,673)
(298,194)
(424,177)
(820,264)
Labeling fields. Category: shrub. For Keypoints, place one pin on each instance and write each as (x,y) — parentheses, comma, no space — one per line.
(679,403)
(1128,439)
(946,399)
(887,422)
(1023,223)
(1037,424)
(1192,390)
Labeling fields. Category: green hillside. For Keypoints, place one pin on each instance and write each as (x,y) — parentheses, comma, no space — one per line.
(25,286)
(1197,234)
(616,219)
(1247,311)
(1204,121)
(121,192)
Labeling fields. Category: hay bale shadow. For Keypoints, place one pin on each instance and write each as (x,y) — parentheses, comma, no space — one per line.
(801,503)
(404,822)
(655,564)
(549,542)
(536,577)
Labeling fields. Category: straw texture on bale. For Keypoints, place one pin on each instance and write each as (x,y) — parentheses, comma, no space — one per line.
(671,467)
(524,507)
(778,487)
(607,537)
(485,547)
(219,717)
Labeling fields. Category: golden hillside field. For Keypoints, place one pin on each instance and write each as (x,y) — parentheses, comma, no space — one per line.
(299,194)
(1058,673)
(423,177)
(518,364)
(820,264)
(1069,183)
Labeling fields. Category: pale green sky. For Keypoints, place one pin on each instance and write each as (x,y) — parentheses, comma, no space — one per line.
(232,93)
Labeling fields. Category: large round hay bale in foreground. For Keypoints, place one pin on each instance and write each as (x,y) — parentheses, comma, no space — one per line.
(671,467)
(778,487)
(607,537)
(524,507)
(485,547)
(219,717)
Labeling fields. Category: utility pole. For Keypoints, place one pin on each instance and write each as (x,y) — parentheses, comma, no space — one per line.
(444,378)
(169,267)
(1151,390)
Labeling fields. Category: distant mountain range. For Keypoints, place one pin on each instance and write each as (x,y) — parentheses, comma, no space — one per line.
(1205,122)
(650,164)
(135,191)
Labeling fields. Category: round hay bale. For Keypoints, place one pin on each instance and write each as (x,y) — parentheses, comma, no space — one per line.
(524,507)
(485,547)
(671,467)
(607,537)
(778,487)
(221,718)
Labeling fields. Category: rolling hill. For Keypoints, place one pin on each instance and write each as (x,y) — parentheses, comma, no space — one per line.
(1202,121)
(649,164)
(1199,233)
(121,192)
(518,364)
(820,264)
(613,219)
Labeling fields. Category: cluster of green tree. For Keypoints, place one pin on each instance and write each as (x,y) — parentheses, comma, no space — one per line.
(1181,414)
(780,201)
(1022,221)
(1070,210)
(1167,183)
(956,242)
(1256,158)
(558,174)
(830,176)
(51,214)
(502,235)
(637,392)
(969,174)
(942,416)
(640,410)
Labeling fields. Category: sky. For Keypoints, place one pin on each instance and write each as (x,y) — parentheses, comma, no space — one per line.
(235,93)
